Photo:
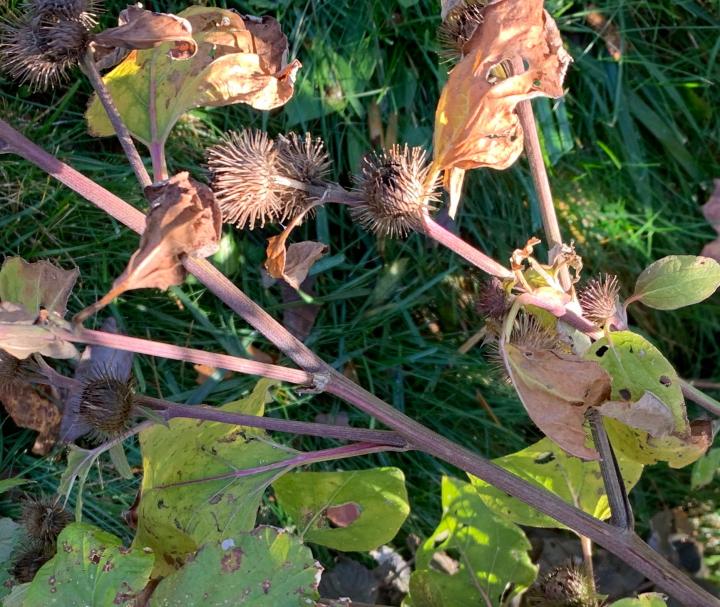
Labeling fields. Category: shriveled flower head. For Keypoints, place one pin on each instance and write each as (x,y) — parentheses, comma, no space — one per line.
(529,333)
(492,301)
(40,44)
(600,300)
(244,168)
(394,195)
(303,159)
(44,518)
(568,586)
(32,555)
(106,405)
(458,27)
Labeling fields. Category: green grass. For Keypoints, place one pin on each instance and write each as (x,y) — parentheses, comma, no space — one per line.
(633,148)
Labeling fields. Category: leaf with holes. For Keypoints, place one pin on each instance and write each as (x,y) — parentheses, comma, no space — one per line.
(546,465)
(181,506)
(346,510)
(264,567)
(491,553)
(677,281)
(91,569)
(636,368)
(239,59)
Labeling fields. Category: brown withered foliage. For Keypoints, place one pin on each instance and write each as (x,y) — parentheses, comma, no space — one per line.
(184,219)
(141,29)
(711,210)
(294,263)
(475,122)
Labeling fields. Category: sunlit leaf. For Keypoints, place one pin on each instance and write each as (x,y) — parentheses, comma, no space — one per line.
(705,469)
(91,569)
(650,599)
(638,367)
(676,281)
(347,510)
(181,507)
(264,567)
(491,553)
(546,465)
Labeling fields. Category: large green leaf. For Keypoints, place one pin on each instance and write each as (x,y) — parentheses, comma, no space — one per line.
(491,554)
(91,569)
(650,599)
(258,569)
(36,285)
(547,465)
(175,519)
(239,59)
(8,483)
(638,367)
(676,281)
(10,535)
(347,510)
(705,469)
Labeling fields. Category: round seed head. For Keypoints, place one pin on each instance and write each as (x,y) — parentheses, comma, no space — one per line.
(531,334)
(244,168)
(106,405)
(394,194)
(458,27)
(600,299)
(492,300)
(41,44)
(33,555)
(44,518)
(568,586)
(303,159)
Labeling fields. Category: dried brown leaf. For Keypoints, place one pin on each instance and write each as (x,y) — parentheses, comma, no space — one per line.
(29,408)
(556,390)
(141,29)
(608,31)
(184,219)
(475,122)
(294,263)
(648,413)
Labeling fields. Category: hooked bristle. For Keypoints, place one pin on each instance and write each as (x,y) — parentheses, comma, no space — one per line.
(244,168)
(600,299)
(26,563)
(458,28)
(568,586)
(492,301)
(44,518)
(106,405)
(42,43)
(529,333)
(303,159)
(394,195)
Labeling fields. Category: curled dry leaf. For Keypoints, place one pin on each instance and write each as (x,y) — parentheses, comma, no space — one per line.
(33,301)
(556,390)
(29,408)
(608,31)
(711,210)
(648,413)
(141,29)
(184,219)
(294,263)
(239,59)
(475,122)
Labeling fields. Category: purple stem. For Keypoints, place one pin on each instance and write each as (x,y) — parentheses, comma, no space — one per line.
(169,410)
(624,544)
(157,146)
(303,459)
(154,348)
(698,397)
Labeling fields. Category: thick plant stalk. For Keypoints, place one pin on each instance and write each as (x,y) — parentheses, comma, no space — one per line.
(624,544)
(169,410)
(123,135)
(699,398)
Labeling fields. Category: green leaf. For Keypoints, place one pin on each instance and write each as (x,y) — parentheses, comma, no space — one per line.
(119,460)
(491,553)
(705,469)
(8,483)
(265,567)
(79,462)
(637,367)
(91,569)
(650,599)
(175,519)
(36,285)
(546,465)
(16,598)
(152,91)
(347,510)
(10,534)
(676,281)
